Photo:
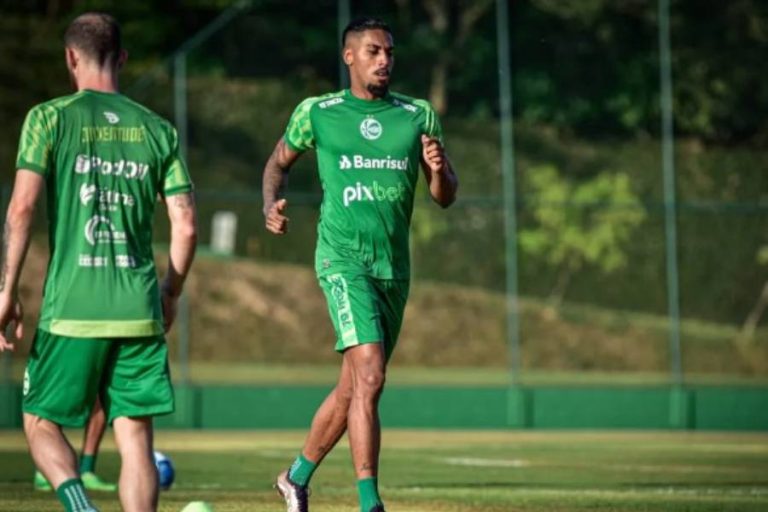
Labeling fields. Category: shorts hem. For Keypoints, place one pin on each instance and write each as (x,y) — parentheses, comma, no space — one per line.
(154,411)
(341,348)
(55,418)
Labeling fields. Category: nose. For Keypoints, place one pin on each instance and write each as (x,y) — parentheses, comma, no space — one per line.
(384,59)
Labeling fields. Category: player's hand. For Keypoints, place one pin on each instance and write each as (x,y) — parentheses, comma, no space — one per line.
(11,312)
(433,153)
(276,222)
(170,305)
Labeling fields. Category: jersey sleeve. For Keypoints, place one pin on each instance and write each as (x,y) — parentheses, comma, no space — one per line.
(36,141)
(299,135)
(432,126)
(175,175)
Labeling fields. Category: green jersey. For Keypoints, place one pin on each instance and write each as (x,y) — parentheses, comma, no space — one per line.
(105,160)
(368,155)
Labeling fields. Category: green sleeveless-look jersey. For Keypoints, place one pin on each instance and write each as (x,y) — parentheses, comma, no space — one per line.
(105,160)
(368,155)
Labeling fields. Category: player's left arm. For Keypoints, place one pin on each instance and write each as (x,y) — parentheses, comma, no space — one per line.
(441,178)
(27,189)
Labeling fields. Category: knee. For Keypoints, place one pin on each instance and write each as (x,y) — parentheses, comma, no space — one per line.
(370,382)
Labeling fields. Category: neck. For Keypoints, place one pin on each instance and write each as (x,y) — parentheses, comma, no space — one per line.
(101,81)
(360,91)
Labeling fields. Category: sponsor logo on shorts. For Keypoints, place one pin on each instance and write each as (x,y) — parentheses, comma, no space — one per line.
(370,128)
(346,320)
(25,388)
(375,192)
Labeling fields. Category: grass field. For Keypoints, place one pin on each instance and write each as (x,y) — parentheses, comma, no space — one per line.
(450,472)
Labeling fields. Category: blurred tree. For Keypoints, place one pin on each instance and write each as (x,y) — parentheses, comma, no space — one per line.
(577,224)
(451,22)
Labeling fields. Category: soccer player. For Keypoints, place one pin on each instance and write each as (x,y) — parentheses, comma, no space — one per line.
(92,436)
(104,161)
(369,143)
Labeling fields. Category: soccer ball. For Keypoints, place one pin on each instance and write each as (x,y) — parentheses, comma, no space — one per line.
(165,471)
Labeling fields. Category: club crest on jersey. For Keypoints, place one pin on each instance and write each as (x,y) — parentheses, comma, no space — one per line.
(370,128)
(112,117)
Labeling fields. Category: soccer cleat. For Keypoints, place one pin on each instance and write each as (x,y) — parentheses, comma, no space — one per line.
(40,483)
(296,497)
(92,482)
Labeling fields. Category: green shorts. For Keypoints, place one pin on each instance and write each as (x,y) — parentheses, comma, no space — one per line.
(364,309)
(65,375)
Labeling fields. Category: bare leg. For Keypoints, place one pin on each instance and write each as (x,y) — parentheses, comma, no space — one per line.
(52,453)
(330,421)
(94,431)
(367,364)
(138,475)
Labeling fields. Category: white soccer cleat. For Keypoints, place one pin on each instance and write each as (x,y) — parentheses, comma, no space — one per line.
(296,497)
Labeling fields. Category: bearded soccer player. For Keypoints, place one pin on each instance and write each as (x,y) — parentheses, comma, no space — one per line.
(369,143)
(104,161)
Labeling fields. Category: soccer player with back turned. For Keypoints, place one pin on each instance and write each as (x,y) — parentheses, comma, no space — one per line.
(369,144)
(104,161)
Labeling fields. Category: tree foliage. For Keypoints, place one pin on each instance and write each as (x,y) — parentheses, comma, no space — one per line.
(578,224)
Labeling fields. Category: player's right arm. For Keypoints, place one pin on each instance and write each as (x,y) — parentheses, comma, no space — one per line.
(274,182)
(27,189)
(298,138)
(33,162)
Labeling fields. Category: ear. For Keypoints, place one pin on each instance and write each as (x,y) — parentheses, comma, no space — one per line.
(122,58)
(72,58)
(348,56)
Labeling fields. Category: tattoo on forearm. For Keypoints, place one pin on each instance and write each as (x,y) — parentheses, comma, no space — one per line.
(275,175)
(4,255)
(183,201)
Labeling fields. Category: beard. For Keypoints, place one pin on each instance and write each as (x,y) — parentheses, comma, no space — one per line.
(378,91)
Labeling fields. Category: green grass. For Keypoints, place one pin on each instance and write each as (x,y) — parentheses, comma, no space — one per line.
(451,472)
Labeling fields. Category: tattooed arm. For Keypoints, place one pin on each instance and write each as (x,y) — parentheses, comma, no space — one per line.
(274,181)
(183,217)
(16,233)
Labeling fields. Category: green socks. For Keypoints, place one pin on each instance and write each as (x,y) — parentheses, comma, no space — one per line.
(368,488)
(72,495)
(87,463)
(301,470)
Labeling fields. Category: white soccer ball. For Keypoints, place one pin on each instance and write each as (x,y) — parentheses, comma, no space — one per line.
(197,506)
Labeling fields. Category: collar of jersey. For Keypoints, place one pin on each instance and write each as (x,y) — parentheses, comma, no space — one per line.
(374,104)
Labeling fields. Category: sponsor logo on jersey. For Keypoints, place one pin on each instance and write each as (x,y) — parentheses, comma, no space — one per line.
(86,260)
(112,118)
(127,169)
(331,102)
(108,199)
(361,162)
(374,192)
(101,230)
(370,128)
(112,133)
(125,261)
(406,106)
